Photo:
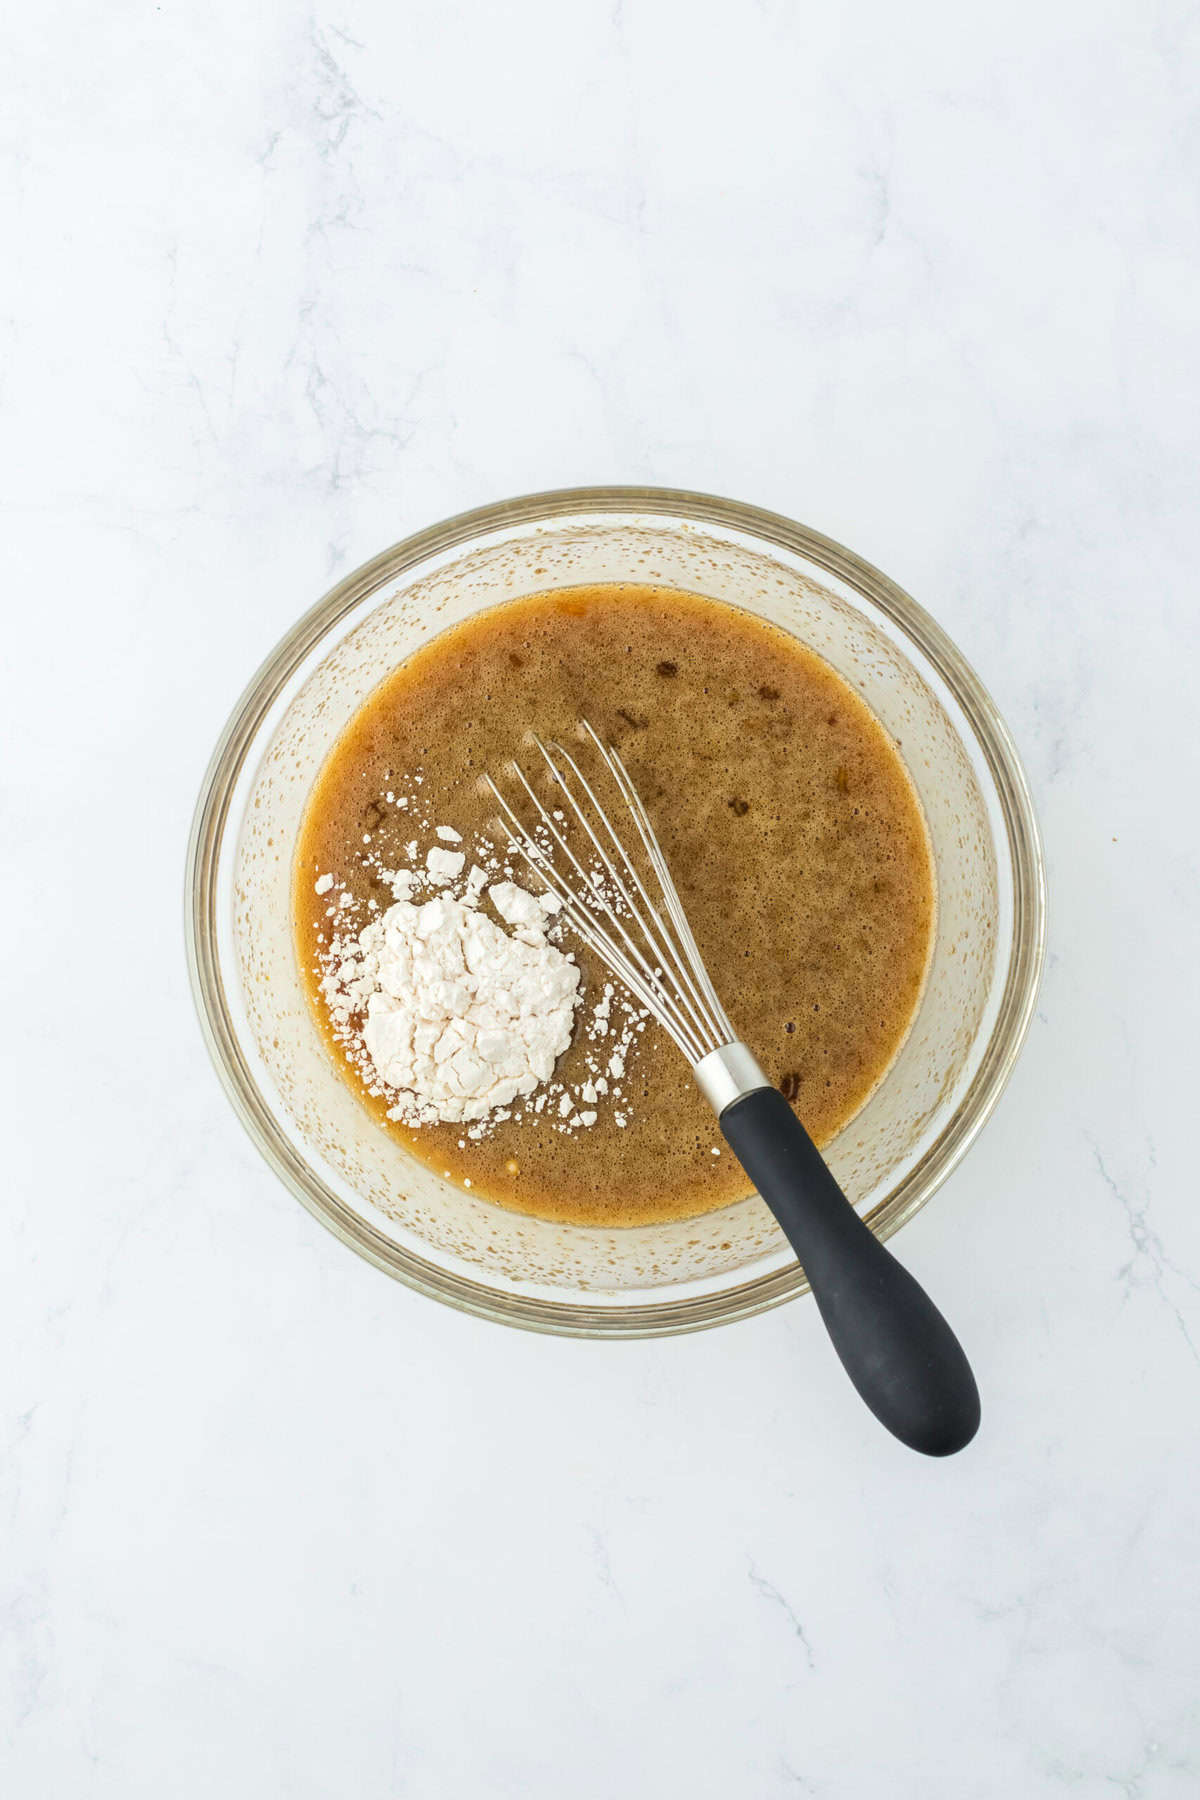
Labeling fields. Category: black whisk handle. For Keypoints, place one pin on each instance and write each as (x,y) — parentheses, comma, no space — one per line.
(894,1344)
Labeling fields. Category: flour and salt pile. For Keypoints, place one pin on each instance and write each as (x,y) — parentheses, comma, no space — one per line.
(451,1017)
(458,1017)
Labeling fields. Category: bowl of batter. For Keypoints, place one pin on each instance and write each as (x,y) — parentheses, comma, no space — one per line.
(844,813)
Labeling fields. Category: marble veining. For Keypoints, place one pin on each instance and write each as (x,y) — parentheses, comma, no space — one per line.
(286,284)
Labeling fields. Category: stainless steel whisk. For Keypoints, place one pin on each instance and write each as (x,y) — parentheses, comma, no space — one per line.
(895,1345)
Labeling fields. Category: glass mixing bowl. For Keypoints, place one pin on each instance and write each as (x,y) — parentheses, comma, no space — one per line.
(307,1121)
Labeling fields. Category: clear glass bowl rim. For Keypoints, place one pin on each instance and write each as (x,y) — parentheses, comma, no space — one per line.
(582,1317)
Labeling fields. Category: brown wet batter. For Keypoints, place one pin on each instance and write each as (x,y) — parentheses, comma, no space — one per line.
(789,822)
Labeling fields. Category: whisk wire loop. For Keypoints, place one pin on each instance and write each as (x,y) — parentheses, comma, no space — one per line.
(658,933)
(647,942)
(639,979)
(693,962)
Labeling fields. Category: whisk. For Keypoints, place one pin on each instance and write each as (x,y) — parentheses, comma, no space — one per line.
(619,897)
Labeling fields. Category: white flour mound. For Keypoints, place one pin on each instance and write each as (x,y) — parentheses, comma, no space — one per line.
(460,1017)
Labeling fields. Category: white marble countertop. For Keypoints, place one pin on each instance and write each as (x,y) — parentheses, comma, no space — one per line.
(286,283)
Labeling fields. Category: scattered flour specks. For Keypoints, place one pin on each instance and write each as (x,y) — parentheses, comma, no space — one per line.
(451,1017)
